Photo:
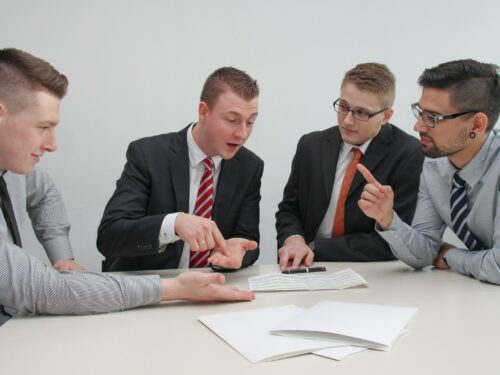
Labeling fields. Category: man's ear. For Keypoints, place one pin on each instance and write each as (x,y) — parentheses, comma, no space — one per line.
(480,123)
(387,115)
(202,111)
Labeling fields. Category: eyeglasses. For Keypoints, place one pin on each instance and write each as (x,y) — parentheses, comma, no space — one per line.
(430,120)
(358,114)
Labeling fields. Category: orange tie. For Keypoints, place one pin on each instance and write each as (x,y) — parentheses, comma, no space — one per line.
(339,219)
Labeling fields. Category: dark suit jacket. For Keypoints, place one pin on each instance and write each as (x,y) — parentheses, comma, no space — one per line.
(155,182)
(394,158)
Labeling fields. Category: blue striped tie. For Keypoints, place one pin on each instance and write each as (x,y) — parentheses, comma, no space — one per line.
(459,213)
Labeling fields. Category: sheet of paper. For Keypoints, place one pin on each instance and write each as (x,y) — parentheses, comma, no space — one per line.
(247,332)
(339,352)
(306,281)
(366,325)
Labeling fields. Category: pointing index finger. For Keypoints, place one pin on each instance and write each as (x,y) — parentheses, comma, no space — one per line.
(368,176)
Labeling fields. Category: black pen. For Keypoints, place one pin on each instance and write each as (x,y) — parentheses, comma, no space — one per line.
(304,270)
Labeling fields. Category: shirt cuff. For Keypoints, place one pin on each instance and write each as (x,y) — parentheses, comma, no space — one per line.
(392,234)
(141,290)
(167,230)
(58,248)
(454,258)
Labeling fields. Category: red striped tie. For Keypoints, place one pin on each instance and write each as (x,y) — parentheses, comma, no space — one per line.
(203,207)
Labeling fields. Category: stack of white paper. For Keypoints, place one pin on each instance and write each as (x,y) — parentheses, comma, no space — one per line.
(248,332)
(306,281)
(330,329)
(365,325)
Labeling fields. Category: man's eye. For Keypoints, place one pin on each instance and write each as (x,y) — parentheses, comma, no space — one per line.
(428,116)
(361,114)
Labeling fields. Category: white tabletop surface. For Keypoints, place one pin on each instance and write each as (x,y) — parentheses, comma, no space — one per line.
(454,332)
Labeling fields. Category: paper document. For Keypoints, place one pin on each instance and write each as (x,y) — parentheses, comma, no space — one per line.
(306,281)
(248,332)
(339,352)
(359,324)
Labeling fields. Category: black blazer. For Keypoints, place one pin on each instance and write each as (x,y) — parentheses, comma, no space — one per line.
(393,157)
(155,182)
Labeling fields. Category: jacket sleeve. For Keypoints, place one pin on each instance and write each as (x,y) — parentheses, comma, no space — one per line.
(288,221)
(125,229)
(249,219)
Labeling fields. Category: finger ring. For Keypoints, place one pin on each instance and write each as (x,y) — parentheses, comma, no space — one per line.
(202,242)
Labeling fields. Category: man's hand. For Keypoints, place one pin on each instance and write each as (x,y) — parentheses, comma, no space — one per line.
(68,265)
(376,200)
(201,234)
(237,248)
(293,252)
(439,262)
(198,286)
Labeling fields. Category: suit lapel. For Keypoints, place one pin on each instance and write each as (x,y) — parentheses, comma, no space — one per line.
(179,170)
(226,187)
(374,155)
(330,149)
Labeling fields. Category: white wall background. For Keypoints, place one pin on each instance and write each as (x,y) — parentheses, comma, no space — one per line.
(136,68)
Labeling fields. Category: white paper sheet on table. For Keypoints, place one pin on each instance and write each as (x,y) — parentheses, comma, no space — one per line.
(367,325)
(247,332)
(306,281)
(339,352)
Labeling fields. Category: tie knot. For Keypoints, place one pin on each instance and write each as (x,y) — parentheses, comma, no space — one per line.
(357,153)
(208,163)
(458,182)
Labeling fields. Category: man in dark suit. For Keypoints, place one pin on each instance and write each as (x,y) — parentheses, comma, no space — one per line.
(190,199)
(319,218)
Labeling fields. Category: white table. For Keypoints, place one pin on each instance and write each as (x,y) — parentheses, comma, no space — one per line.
(454,332)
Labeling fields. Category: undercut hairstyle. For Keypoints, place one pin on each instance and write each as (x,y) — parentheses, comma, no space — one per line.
(225,79)
(21,74)
(473,86)
(375,78)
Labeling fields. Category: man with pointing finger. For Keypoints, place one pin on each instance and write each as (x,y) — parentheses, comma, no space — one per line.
(191,199)
(31,91)
(460,181)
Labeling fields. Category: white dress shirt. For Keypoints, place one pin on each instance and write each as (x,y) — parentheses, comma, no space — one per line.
(196,170)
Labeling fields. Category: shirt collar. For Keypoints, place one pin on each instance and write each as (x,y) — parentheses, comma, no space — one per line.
(473,171)
(475,168)
(347,147)
(196,155)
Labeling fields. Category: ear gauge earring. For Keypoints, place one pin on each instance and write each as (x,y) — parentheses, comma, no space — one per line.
(472,135)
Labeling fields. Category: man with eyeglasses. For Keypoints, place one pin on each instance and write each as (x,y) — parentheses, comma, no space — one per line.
(318,218)
(459,186)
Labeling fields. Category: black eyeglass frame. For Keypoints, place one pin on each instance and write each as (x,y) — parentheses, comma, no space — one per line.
(369,114)
(418,112)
